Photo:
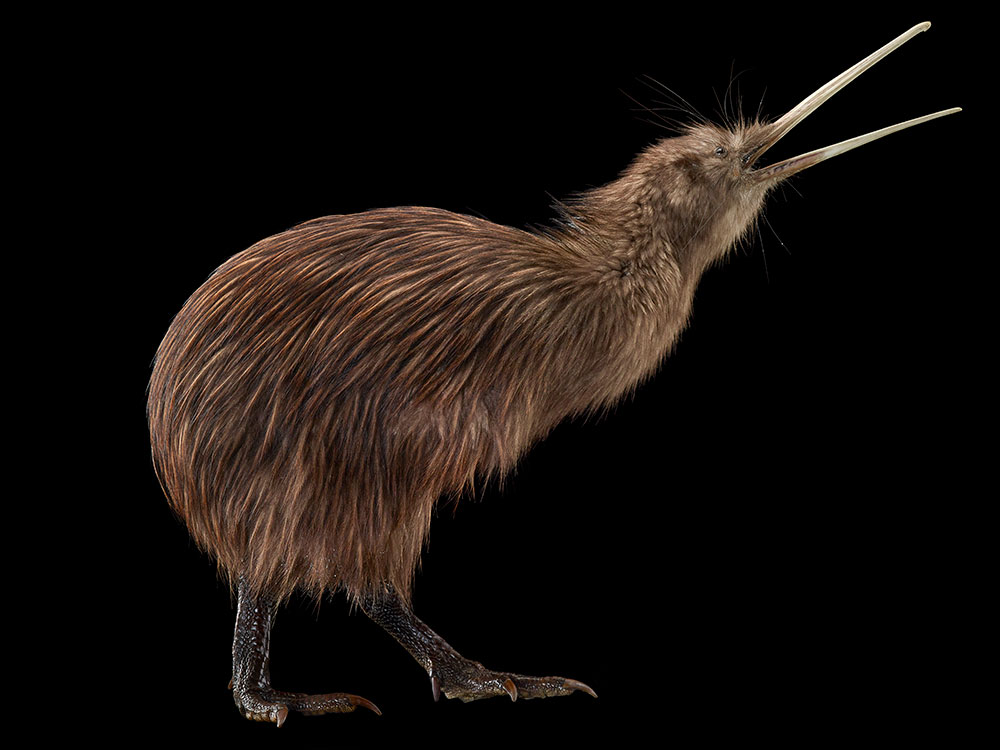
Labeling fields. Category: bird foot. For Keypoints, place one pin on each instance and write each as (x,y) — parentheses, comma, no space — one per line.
(469,680)
(265,704)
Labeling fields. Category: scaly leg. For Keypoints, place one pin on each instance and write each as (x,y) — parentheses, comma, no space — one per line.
(450,672)
(251,683)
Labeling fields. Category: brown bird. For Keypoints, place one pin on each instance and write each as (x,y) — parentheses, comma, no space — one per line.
(317,396)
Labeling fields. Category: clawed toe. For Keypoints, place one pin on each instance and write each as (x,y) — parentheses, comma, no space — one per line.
(357,700)
(577,685)
(264,704)
(472,682)
(543,687)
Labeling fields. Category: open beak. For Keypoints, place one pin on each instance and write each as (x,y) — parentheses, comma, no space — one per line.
(780,127)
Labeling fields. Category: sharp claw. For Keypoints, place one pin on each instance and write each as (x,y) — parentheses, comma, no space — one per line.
(511,688)
(577,685)
(435,688)
(357,700)
(282,715)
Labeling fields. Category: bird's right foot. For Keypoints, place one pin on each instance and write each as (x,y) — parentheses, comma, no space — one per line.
(266,704)
(457,677)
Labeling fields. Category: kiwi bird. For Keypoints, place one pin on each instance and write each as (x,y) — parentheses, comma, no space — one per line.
(325,388)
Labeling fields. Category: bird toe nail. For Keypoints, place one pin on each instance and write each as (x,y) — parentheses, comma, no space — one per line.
(511,688)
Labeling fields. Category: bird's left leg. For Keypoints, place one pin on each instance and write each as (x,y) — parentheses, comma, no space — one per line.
(450,672)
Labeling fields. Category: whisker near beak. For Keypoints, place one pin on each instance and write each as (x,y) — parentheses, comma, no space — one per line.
(780,127)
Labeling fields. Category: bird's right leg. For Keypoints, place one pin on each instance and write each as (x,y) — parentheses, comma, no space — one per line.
(251,683)
(450,672)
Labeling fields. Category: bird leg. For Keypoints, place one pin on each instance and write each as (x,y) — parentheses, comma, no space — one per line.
(251,683)
(450,672)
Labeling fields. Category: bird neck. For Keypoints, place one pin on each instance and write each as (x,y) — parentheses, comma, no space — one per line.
(633,292)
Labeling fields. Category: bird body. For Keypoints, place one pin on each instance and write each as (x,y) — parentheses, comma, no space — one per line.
(316,397)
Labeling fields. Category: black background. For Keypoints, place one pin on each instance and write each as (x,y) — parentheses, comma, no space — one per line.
(770,542)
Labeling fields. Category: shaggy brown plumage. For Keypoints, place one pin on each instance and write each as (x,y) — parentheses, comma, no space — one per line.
(315,398)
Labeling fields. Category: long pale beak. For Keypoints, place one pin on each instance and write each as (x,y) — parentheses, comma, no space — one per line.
(780,127)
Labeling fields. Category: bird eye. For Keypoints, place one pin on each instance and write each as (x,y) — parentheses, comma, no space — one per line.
(720,151)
